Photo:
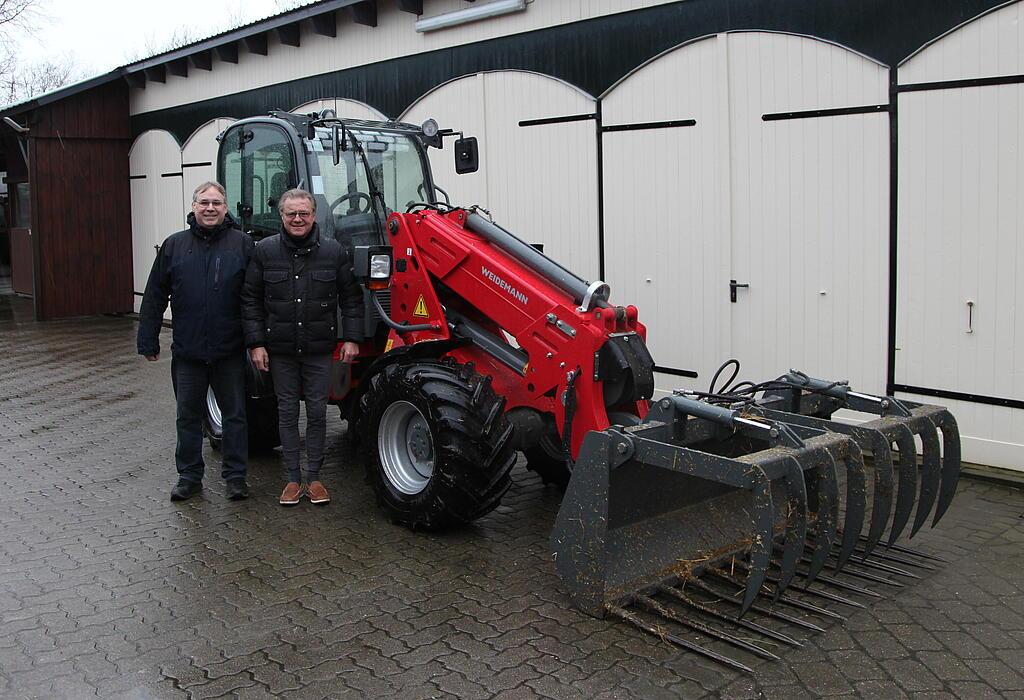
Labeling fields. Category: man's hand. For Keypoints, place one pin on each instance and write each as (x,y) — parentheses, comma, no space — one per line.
(153,358)
(349,350)
(260,359)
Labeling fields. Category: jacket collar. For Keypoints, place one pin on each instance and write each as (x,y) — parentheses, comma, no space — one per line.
(304,245)
(207,234)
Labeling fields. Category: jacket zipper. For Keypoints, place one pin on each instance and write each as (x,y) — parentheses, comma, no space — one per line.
(216,272)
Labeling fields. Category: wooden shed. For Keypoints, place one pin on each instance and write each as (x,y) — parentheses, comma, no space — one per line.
(70,170)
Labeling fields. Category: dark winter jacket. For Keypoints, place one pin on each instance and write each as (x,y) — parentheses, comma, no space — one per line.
(201,271)
(293,289)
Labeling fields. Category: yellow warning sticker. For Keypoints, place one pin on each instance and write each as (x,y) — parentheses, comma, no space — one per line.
(421,308)
(388,345)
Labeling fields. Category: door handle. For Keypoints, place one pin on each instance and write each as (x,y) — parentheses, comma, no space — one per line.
(970,316)
(733,286)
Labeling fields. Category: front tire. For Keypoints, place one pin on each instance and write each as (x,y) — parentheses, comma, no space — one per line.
(436,443)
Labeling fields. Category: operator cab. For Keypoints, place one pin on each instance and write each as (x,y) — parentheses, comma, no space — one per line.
(358,171)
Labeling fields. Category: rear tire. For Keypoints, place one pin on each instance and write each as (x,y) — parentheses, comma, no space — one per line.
(435,443)
(261,418)
(547,459)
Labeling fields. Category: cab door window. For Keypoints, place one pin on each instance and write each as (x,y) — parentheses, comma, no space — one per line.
(258,166)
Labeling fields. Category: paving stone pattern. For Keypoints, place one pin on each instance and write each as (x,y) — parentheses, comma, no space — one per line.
(108,589)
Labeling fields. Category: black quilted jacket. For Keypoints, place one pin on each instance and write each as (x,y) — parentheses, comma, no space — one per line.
(293,289)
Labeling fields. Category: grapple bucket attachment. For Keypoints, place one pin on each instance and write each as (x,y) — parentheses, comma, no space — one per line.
(703,506)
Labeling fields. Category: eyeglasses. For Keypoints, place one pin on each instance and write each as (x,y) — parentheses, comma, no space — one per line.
(297,214)
(204,203)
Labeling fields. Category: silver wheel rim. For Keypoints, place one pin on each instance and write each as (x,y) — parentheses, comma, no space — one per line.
(213,413)
(406,448)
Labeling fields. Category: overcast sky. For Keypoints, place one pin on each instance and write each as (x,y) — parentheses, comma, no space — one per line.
(104,34)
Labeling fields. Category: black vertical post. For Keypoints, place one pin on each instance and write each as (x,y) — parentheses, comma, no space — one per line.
(893,223)
(599,133)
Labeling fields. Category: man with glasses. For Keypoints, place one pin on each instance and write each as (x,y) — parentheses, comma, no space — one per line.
(295,283)
(201,270)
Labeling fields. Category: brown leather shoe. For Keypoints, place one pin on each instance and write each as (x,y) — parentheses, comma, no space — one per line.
(317,493)
(291,495)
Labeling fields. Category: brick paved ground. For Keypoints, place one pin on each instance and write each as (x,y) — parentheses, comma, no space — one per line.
(109,589)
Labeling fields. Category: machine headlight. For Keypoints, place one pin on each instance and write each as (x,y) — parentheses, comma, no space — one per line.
(380,267)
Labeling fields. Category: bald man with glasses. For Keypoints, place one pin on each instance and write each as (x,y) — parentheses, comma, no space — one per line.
(296,282)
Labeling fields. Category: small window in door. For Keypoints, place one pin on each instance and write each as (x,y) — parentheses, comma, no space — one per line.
(22,206)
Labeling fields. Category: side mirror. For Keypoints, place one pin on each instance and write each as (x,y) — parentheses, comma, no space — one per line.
(467,155)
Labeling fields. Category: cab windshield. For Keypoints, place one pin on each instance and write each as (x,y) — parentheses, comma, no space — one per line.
(395,163)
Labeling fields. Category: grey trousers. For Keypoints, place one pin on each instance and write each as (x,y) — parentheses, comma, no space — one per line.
(307,377)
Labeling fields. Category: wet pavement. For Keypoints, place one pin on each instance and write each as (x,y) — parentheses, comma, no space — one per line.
(108,589)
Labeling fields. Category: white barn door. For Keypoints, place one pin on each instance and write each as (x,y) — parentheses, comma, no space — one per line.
(797,209)
(666,211)
(809,209)
(154,165)
(960,315)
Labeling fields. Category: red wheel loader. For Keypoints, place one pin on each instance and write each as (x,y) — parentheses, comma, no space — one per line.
(695,517)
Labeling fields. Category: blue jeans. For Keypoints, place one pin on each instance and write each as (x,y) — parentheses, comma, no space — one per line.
(191,379)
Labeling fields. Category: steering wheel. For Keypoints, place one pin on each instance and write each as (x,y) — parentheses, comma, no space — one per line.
(344,198)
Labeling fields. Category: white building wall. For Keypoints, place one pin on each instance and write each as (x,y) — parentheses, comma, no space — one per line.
(540,182)
(990,45)
(798,209)
(393,37)
(199,160)
(960,316)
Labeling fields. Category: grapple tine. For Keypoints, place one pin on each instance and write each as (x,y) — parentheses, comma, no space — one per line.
(784,599)
(827,513)
(763,520)
(881,497)
(639,623)
(795,621)
(657,608)
(684,599)
(855,503)
(796,524)
(889,556)
(846,586)
(908,480)
(950,462)
(879,566)
(914,552)
(931,469)
(866,576)
(814,592)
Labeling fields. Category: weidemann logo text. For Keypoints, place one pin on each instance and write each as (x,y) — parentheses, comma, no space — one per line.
(515,293)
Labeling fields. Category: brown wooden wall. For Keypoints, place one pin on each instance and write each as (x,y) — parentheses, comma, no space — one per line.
(81,207)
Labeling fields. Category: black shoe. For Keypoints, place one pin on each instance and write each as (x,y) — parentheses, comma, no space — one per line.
(185,490)
(237,490)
